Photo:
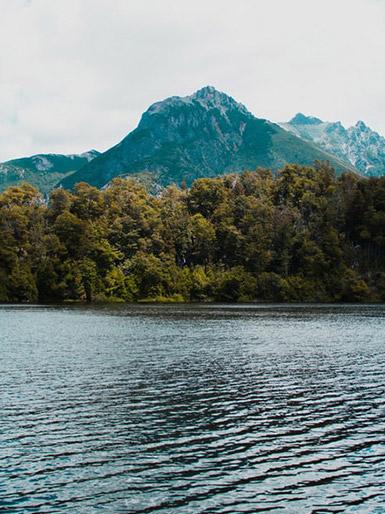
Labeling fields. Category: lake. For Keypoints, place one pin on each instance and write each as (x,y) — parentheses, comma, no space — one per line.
(192,409)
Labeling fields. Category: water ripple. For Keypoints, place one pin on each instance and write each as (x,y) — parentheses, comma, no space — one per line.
(192,409)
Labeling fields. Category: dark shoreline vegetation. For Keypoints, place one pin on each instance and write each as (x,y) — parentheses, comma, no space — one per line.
(301,235)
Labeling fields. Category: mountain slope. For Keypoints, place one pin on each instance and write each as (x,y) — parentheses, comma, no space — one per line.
(202,135)
(359,146)
(42,171)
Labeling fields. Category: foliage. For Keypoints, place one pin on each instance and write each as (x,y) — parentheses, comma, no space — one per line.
(303,235)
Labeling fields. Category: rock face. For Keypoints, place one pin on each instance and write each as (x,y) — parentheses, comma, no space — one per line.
(359,146)
(202,135)
(42,171)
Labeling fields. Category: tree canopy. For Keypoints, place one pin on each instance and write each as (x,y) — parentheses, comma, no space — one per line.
(300,235)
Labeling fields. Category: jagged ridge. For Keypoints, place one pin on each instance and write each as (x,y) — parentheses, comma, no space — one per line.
(202,135)
(359,145)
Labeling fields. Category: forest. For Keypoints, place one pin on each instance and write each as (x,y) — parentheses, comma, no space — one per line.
(300,235)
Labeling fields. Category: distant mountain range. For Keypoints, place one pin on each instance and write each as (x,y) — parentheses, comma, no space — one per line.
(204,135)
(360,146)
(43,171)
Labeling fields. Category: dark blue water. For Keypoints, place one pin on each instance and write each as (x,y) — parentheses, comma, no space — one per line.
(192,409)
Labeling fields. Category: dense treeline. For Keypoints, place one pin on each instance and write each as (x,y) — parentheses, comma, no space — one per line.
(302,235)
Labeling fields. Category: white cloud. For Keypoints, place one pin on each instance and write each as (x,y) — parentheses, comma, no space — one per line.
(78,74)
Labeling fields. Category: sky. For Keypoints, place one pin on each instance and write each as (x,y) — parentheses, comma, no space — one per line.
(77,74)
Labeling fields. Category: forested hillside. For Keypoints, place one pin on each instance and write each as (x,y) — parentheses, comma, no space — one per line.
(301,235)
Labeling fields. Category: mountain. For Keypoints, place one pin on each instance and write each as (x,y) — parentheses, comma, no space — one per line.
(43,171)
(359,146)
(202,135)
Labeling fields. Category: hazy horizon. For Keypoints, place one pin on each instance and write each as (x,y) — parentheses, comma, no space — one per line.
(78,75)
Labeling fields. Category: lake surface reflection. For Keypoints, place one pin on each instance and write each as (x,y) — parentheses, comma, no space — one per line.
(192,409)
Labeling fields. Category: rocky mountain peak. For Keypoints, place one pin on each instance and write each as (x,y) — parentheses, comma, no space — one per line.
(208,98)
(205,134)
(360,125)
(335,128)
(207,92)
(301,119)
(211,98)
(358,145)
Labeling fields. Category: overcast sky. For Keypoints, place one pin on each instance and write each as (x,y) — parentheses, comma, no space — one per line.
(77,74)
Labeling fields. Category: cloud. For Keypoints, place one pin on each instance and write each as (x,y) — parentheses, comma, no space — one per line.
(77,74)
